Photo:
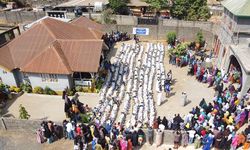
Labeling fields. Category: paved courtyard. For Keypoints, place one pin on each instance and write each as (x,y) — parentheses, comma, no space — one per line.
(47,107)
(52,107)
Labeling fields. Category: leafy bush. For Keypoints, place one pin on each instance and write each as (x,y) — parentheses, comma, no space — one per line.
(17,90)
(171,37)
(85,118)
(2,87)
(79,89)
(12,88)
(59,92)
(180,50)
(99,84)
(26,87)
(85,89)
(107,16)
(38,90)
(23,114)
(199,38)
(70,92)
(49,91)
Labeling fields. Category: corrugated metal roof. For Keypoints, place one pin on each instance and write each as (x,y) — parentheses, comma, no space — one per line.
(74,3)
(137,3)
(52,46)
(238,7)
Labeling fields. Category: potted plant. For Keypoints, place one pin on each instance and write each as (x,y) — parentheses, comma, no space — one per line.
(171,37)
(199,40)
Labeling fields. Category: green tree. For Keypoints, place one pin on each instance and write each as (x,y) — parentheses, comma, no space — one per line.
(171,37)
(119,6)
(157,4)
(23,114)
(107,16)
(199,37)
(193,10)
(179,9)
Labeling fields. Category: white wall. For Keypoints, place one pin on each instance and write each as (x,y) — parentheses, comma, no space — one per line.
(7,78)
(60,85)
(246,83)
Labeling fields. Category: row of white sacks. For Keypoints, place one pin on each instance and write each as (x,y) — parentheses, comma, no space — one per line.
(130,81)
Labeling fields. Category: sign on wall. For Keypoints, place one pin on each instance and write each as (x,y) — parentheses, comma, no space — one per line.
(141,31)
(82,83)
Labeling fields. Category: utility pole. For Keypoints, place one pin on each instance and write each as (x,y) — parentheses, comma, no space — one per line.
(89,12)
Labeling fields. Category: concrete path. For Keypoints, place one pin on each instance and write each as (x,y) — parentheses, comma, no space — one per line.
(47,107)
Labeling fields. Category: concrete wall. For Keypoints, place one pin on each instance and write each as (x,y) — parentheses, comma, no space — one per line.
(44,2)
(60,85)
(185,30)
(20,124)
(159,32)
(20,16)
(7,77)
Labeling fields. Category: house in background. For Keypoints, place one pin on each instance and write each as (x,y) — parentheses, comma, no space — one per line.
(8,33)
(232,46)
(52,53)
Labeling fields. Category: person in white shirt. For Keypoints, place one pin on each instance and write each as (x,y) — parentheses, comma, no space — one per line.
(191,134)
(69,128)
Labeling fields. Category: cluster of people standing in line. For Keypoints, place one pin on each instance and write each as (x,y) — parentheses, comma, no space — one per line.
(98,137)
(73,107)
(111,38)
(214,124)
(49,131)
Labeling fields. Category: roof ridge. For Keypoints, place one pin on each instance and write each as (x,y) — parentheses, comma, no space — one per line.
(61,56)
(15,39)
(93,32)
(45,25)
(81,40)
(38,55)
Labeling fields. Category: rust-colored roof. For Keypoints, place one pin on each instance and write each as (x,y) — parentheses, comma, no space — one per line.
(87,52)
(64,30)
(85,22)
(51,60)
(53,46)
(5,59)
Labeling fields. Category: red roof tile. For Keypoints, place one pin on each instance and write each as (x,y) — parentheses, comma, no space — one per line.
(53,46)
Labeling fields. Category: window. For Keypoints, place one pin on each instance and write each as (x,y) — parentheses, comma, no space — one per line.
(25,76)
(49,77)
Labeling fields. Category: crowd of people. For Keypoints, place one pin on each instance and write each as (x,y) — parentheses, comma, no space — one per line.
(214,124)
(49,131)
(130,80)
(107,136)
(111,38)
(73,107)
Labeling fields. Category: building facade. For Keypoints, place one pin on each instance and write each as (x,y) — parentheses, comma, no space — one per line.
(232,44)
(53,53)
